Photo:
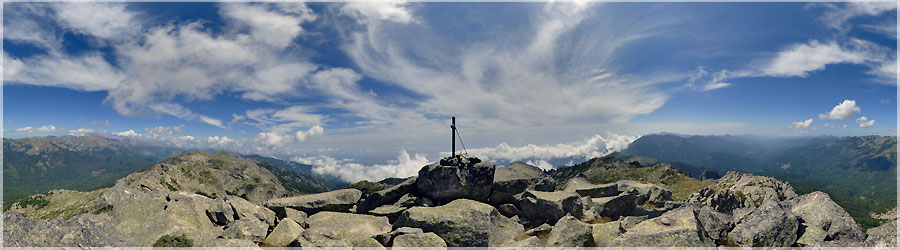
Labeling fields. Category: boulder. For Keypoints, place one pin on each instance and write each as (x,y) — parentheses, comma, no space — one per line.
(883,236)
(386,239)
(537,206)
(284,233)
(419,240)
(605,233)
(615,207)
(715,224)
(569,232)
(736,190)
(247,228)
(514,179)
(243,208)
(532,241)
(367,243)
(387,196)
(410,200)
(543,229)
(824,220)
(629,222)
(335,201)
(389,211)
(770,225)
(584,187)
(466,180)
(676,228)
(348,226)
(297,216)
(508,210)
(463,223)
(646,192)
(15,228)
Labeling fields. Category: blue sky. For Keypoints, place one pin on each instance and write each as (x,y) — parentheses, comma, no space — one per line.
(365,90)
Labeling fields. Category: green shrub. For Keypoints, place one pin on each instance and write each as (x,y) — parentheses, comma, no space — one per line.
(173,241)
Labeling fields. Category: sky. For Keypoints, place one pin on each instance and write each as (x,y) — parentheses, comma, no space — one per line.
(366,90)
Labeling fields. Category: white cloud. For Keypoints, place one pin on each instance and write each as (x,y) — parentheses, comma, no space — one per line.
(368,12)
(129,133)
(801,59)
(803,124)
(837,17)
(595,146)
(312,132)
(865,122)
(404,166)
(273,24)
(842,111)
(844,126)
(216,140)
(236,118)
(542,164)
(45,129)
(211,121)
(90,72)
(104,20)
(82,132)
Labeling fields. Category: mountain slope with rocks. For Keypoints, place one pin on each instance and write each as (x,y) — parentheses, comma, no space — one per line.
(457,202)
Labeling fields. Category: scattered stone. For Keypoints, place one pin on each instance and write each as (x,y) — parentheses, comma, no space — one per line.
(646,192)
(532,241)
(389,211)
(410,200)
(824,220)
(387,196)
(615,207)
(419,240)
(247,228)
(548,207)
(335,201)
(569,232)
(770,225)
(584,187)
(463,223)
(542,229)
(386,239)
(676,228)
(284,233)
(508,210)
(243,208)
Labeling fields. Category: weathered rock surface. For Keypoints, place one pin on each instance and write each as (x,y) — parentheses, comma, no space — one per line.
(83,229)
(537,206)
(419,240)
(646,192)
(284,233)
(514,179)
(736,190)
(584,187)
(542,229)
(569,232)
(616,206)
(247,228)
(327,227)
(243,208)
(297,216)
(463,180)
(770,225)
(883,236)
(15,229)
(410,200)
(387,239)
(676,228)
(605,233)
(389,211)
(532,241)
(629,222)
(387,196)
(335,201)
(463,222)
(824,220)
(717,225)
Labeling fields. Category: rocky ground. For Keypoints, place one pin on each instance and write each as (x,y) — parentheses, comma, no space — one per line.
(453,203)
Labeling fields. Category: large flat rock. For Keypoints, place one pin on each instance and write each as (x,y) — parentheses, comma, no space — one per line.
(335,201)
(463,223)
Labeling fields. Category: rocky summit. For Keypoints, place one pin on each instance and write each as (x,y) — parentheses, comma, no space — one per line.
(221,199)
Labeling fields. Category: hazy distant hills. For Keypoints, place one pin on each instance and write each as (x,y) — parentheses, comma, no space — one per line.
(859,172)
(40,164)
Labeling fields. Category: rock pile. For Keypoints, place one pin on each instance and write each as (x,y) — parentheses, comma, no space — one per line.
(468,203)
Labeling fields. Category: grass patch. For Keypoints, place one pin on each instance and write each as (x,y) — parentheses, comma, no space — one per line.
(173,241)
(36,202)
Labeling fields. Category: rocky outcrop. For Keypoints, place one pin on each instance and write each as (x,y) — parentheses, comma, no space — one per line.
(387,239)
(532,241)
(450,180)
(646,192)
(770,225)
(283,234)
(585,188)
(463,222)
(387,196)
(605,233)
(883,236)
(616,206)
(540,207)
(247,228)
(514,179)
(676,228)
(335,201)
(736,190)
(823,220)
(717,225)
(569,232)
(243,208)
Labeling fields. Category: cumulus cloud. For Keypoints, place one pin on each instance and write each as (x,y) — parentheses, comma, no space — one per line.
(44,129)
(82,132)
(273,24)
(865,122)
(216,140)
(129,133)
(595,146)
(103,20)
(314,131)
(803,124)
(842,111)
(404,166)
